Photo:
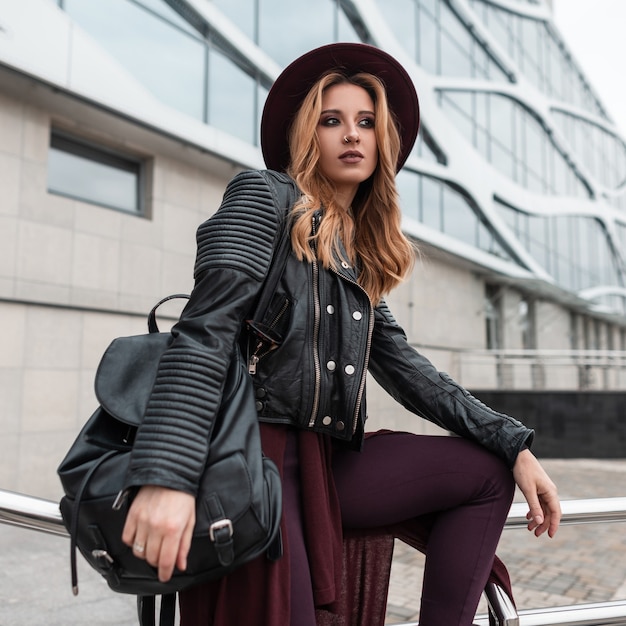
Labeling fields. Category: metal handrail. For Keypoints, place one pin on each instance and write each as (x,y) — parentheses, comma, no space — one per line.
(43,515)
(17,509)
(543,355)
(500,606)
(535,368)
(583,511)
(595,614)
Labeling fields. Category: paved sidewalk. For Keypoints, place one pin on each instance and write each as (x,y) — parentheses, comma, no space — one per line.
(582,564)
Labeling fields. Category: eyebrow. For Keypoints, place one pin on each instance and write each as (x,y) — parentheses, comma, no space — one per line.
(338,111)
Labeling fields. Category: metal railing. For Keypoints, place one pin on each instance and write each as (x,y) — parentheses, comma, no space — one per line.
(583,511)
(43,515)
(29,512)
(533,369)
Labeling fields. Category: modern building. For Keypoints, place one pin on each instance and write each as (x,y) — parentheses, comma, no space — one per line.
(122,121)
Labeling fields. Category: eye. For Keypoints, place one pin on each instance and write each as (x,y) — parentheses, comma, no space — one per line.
(329,121)
(367,122)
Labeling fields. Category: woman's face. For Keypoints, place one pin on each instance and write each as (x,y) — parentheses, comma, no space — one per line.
(348,148)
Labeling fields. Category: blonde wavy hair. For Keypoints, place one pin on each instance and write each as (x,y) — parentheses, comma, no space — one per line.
(371,233)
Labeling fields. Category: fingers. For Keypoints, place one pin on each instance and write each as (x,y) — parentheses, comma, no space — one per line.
(159,528)
(161,551)
(535,515)
(131,537)
(548,520)
(139,547)
(163,556)
(553,505)
(550,516)
(541,494)
(185,545)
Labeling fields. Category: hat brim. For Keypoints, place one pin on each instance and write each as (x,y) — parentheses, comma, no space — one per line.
(293,84)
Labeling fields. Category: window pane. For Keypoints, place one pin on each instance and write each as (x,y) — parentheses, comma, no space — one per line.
(407,184)
(539,54)
(426,148)
(166,11)
(459,220)
(431,203)
(502,160)
(277,17)
(456,45)
(240,12)
(539,245)
(97,177)
(400,14)
(458,108)
(167,61)
(345,32)
(488,242)
(231,98)
(455,61)
(501,121)
(428,42)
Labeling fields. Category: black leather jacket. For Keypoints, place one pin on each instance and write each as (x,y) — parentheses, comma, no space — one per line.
(316,378)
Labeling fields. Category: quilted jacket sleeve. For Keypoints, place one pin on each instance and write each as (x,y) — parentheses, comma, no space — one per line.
(234,250)
(415,383)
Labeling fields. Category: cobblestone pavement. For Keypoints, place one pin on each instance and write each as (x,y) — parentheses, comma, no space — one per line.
(584,563)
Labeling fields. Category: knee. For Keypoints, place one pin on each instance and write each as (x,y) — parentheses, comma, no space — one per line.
(500,479)
(493,477)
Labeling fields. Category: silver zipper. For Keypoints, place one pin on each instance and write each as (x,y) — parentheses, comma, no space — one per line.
(359,397)
(253,361)
(316,332)
(257,355)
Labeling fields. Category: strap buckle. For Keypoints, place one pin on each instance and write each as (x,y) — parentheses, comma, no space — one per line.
(219,525)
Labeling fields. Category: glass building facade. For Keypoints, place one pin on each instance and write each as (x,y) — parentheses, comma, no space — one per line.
(545,191)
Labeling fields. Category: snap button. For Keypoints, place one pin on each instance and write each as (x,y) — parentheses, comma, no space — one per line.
(357,315)
(340,425)
(330,309)
(258,405)
(349,369)
(327,421)
(260,392)
(346,266)
(331,366)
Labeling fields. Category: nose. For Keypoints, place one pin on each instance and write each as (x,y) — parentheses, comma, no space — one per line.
(352,136)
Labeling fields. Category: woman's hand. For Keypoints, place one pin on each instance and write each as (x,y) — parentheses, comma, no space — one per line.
(540,493)
(159,527)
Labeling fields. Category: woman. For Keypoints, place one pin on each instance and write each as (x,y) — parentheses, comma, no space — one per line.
(341,120)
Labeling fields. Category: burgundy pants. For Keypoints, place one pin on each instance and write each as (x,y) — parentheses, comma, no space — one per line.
(466,491)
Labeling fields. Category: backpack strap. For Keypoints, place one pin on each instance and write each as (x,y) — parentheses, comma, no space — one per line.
(146,610)
(285,193)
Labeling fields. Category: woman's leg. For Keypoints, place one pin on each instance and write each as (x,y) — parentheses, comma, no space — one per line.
(399,476)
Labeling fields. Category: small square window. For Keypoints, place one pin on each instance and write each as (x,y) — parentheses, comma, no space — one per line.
(95,174)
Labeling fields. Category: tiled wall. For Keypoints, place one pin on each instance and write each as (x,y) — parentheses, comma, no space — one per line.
(72,277)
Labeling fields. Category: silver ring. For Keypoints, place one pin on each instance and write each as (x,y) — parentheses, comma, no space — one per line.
(346,139)
(137,547)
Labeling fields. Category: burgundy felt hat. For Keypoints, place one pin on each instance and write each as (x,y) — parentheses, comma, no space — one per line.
(291,87)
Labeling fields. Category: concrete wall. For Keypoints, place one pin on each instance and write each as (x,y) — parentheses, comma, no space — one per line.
(72,277)
(441,305)
(70,253)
